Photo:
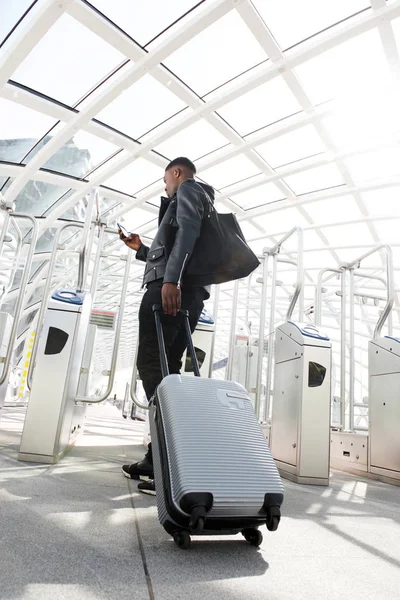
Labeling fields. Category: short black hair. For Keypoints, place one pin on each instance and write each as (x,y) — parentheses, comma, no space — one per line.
(182,161)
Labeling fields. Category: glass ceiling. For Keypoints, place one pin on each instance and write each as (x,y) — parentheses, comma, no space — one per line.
(288,108)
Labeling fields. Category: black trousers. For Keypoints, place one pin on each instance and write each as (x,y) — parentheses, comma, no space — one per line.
(148,360)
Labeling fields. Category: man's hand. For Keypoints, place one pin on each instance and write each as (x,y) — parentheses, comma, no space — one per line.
(133,241)
(171,298)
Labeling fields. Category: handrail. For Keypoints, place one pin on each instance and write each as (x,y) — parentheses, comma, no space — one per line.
(318,322)
(43,305)
(134,380)
(126,398)
(261,332)
(300,268)
(96,267)
(21,297)
(15,261)
(351,348)
(318,294)
(300,272)
(215,318)
(249,337)
(4,229)
(270,341)
(85,241)
(389,282)
(117,338)
(232,333)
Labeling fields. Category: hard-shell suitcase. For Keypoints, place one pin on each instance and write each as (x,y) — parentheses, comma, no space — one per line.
(214,472)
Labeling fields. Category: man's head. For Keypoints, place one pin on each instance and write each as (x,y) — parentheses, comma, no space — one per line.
(179,170)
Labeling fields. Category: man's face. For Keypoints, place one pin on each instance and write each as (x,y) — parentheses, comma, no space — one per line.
(171,180)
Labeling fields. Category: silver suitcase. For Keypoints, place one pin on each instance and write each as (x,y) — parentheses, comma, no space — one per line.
(214,472)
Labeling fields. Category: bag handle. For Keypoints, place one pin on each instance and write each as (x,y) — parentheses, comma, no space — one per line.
(190,346)
(161,342)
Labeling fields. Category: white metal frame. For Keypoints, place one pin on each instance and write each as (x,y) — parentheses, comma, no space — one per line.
(46,12)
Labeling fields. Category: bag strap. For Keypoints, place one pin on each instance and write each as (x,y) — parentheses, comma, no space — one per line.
(211,207)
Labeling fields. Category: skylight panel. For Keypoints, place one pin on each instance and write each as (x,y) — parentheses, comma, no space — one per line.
(291,21)
(79,155)
(388,231)
(135,176)
(319,178)
(20,129)
(282,220)
(11,16)
(141,107)
(382,163)
(354,233)
(67,62)
(263,194)
(347,70)
(260,107)
(382,202)
(323,210)
(36,197)
(216,55)
(193,141)
(292,146)
(229,172)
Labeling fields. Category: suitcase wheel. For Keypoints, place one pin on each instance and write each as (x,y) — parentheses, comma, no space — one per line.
(273,518)
(198,526)
(253,536)
(182,539)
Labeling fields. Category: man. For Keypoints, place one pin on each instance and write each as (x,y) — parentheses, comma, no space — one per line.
(167,263)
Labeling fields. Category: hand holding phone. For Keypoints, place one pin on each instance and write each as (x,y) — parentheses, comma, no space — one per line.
(132,240)
(124,231)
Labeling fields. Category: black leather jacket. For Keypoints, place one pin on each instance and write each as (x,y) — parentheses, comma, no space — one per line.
(179,226)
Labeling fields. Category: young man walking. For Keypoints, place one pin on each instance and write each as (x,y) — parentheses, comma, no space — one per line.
(167,263)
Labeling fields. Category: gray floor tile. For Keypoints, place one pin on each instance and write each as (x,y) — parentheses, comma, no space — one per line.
(71,531)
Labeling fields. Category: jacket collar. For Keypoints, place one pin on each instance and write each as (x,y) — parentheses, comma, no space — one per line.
(165,202)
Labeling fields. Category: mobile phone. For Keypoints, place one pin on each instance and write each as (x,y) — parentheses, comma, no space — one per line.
(124,231)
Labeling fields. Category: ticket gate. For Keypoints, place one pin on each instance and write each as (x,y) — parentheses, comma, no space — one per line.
(300,427)
(53,420)
(384,407)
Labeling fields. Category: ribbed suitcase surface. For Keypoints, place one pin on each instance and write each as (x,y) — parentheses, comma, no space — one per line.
(214,444)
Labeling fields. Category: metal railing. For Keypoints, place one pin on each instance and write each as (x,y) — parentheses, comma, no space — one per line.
(298,295)
(389,282)
(355,264)
(15,261)
(23,285)
(118,329)
(347,297)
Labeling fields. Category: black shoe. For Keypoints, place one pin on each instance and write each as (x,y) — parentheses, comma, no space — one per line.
(143,468)
(147,487)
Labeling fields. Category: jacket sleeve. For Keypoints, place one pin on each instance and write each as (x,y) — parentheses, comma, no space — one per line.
(189,216)
(142,253)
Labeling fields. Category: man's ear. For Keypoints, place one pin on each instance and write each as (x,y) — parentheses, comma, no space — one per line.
(177,172)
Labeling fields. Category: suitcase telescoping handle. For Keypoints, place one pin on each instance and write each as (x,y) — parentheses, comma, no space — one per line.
(161,344)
